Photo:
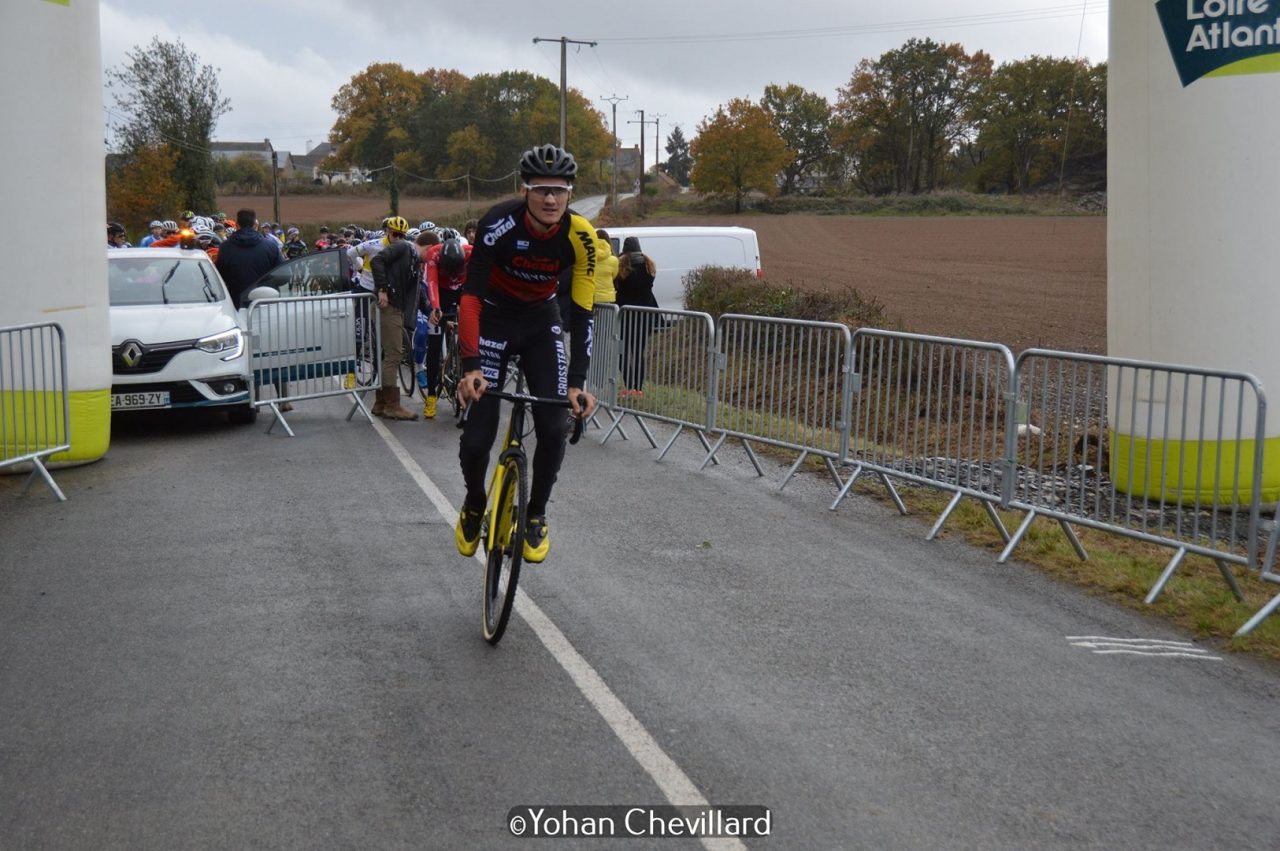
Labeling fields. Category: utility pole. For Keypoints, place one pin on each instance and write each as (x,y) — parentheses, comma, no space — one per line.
(657,151)
(614,100)
(564,88)
(275,180)
(642,123)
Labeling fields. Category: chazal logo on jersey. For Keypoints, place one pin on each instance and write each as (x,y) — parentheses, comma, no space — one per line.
(497,230)
(1220,38)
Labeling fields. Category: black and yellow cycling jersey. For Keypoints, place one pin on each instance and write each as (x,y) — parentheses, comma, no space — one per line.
(514,270)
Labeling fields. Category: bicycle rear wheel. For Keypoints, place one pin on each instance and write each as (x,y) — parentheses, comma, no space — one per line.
(366,367)
(408,376)
(507,515)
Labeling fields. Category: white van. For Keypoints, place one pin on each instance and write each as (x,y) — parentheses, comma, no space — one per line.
(678,250)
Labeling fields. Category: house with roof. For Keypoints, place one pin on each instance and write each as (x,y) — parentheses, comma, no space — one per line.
(310,166)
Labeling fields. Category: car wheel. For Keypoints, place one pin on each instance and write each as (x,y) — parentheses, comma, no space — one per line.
(242,415)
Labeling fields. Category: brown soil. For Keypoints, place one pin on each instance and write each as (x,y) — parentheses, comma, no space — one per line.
(1024,281)
(338,210)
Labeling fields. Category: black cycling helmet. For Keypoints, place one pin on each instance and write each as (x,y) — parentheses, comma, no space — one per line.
(548,161)
(452,257)
(114,228)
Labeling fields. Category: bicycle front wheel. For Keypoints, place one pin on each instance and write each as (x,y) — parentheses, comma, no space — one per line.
(507,514)
(451,373)
(408,376)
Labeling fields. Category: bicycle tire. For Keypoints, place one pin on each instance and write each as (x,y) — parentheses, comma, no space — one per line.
(509,511)
(408,375)
(366,366)
(451,373)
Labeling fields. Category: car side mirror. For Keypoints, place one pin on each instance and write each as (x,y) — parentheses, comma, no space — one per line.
(262,292)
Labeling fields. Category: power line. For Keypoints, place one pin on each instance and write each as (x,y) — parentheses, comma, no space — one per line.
(1016,16)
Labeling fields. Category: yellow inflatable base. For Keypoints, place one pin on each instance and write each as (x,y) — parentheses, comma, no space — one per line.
(33,420)
(1167,469)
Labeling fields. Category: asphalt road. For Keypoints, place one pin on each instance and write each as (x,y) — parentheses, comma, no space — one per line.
(228,639)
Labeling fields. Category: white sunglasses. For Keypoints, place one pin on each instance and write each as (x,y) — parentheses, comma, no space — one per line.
(557,192)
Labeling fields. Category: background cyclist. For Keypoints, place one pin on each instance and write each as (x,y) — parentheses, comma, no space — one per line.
(446,272)
(508,307)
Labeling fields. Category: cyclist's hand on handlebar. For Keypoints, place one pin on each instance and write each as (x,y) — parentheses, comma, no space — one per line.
(434,317)
(471,387)
(584,408)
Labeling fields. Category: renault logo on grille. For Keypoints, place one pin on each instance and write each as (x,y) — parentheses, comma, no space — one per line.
(131,354)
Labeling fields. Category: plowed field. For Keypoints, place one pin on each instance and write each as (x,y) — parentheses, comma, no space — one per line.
(1022,281)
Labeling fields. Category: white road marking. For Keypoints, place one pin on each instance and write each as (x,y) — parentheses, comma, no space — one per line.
(674,783)
(1105,646)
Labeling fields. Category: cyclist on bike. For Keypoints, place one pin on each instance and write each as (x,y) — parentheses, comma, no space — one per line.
(508,307)
(446,271)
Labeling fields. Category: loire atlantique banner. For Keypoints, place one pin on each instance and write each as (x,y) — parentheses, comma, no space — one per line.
(1215,38)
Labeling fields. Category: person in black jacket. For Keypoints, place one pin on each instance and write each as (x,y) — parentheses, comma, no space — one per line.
(246,256)
(634,286)
(396,274)
(243,258)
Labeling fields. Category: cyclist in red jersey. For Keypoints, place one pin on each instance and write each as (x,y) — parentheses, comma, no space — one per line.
(508,307)
(446,272)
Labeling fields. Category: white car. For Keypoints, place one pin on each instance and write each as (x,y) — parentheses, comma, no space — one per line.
(178,341)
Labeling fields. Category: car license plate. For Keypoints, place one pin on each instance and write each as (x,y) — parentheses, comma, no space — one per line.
(153,399)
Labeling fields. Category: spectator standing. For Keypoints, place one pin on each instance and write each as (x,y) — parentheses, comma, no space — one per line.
(634,286)
(244,258)
(606,269)
(396,275)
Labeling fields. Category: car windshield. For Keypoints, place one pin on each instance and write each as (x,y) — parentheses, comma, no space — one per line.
(163,280)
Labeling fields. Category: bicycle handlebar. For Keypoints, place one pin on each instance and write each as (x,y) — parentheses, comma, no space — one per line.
(578,422)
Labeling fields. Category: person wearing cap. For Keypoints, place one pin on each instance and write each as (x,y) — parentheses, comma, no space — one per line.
(157,232)
(322,241)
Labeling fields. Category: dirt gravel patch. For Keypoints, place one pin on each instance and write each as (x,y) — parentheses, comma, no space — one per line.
(1024,281)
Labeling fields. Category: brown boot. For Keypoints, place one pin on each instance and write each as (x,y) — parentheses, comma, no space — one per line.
(393,409)
(379,404)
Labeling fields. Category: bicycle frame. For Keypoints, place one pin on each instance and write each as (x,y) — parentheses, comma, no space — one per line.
(511,443)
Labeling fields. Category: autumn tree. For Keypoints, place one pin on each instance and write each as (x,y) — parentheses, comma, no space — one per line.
(736,150)
(245,172)
(376,110)
(164,96)
(803,120)
(144,188)
(1034,112)
(678,159)
(902,115)
(469,154)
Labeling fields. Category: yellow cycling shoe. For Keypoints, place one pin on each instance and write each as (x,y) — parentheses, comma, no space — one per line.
(467,533)
(537,541)
(429,408)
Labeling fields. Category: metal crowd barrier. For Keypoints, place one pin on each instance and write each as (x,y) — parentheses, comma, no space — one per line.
(602,378)
(35,419)
(783,382)
(1167,454)
(934,411)
(311,347)
(665,355)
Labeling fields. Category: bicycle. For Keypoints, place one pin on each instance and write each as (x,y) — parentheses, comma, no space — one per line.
(451,364)
(506,511)
(408,371)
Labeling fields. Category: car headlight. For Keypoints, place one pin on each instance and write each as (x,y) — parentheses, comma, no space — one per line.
(229,344)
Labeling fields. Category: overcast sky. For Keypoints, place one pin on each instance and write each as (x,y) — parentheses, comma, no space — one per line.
(281,61)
